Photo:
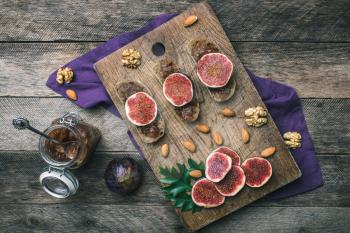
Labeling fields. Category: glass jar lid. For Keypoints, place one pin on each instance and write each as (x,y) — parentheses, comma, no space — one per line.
(59,183)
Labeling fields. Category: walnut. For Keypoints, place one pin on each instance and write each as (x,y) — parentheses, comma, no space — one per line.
(256,116)
(292,139)
(131,58)
(64,75)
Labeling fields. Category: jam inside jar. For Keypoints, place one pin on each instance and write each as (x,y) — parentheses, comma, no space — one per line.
(81,140)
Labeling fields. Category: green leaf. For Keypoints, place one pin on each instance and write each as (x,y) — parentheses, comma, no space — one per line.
(167,189)
(177,183)
(178,189)
(169,180)
(181,167)
(191,163)
(164,171)
(201,166)
(196,208)
(186,177)
(188,205)
(175,173)
(179,203)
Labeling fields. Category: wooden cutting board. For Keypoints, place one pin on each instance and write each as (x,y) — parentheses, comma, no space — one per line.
(177,39)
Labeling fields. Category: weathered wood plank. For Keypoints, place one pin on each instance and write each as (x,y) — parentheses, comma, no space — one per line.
(297,20)
(21,185)
(128,218)
(316,70)
(327,120)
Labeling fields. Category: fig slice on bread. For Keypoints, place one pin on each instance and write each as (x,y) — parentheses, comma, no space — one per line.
(141,110)
(206,54)
(179,90)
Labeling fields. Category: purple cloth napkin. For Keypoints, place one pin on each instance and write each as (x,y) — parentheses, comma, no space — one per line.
(282,102)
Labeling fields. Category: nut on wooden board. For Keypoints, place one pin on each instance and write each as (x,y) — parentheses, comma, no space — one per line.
(267,152)
(217,138)
(203,128)
(189,145)
(131,58)
(227,112)
(164,150)
(190,20)
(255,116)
(245,135)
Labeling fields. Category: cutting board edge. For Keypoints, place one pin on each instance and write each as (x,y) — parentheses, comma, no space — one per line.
(296,168)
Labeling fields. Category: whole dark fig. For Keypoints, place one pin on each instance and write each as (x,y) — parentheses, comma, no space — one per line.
(123,176)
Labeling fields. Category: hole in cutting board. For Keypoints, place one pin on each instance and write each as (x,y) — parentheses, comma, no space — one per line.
(158,49)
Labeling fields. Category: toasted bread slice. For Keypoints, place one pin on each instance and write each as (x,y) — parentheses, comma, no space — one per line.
(149,133)
(188,112)
(223,93)
(198,49)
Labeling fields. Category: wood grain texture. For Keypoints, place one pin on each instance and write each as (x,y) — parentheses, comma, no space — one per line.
(22,186)
(256,20)
(128,218)
(177,41)
(315,70)
(327,120)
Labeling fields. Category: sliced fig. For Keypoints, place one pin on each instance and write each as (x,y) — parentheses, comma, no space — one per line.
(217,166)
(141,109)
(233,182)
(214,70)
(257,170)
(205,194)
(178,89)
(236,160)
(189,112)
(149,133)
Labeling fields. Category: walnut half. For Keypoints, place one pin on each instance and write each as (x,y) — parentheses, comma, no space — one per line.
(256,116)
(64,75)
(292,139)
(131,58)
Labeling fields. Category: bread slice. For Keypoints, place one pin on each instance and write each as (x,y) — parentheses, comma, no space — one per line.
(188,112)
(149,133)
(199,48)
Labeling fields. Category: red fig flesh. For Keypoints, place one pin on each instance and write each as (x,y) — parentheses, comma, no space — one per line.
(141,109)
(205,194)
(217,166)
(257,170)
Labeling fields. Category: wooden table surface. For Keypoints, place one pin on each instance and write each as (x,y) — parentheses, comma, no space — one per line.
(305,44)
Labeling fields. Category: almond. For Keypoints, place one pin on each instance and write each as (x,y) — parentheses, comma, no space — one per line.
(217,138)
(71,94)
(189,145)
(164,150)
(190,20)
(267,152)
(227,112)
(245,136)
(195,173)
(203,128)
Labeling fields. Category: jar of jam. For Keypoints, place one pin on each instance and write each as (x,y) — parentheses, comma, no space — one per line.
(80,140)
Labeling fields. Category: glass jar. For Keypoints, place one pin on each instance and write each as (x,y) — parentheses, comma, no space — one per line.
(81,139)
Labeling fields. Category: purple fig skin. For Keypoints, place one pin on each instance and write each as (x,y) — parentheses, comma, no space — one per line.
(123,176)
